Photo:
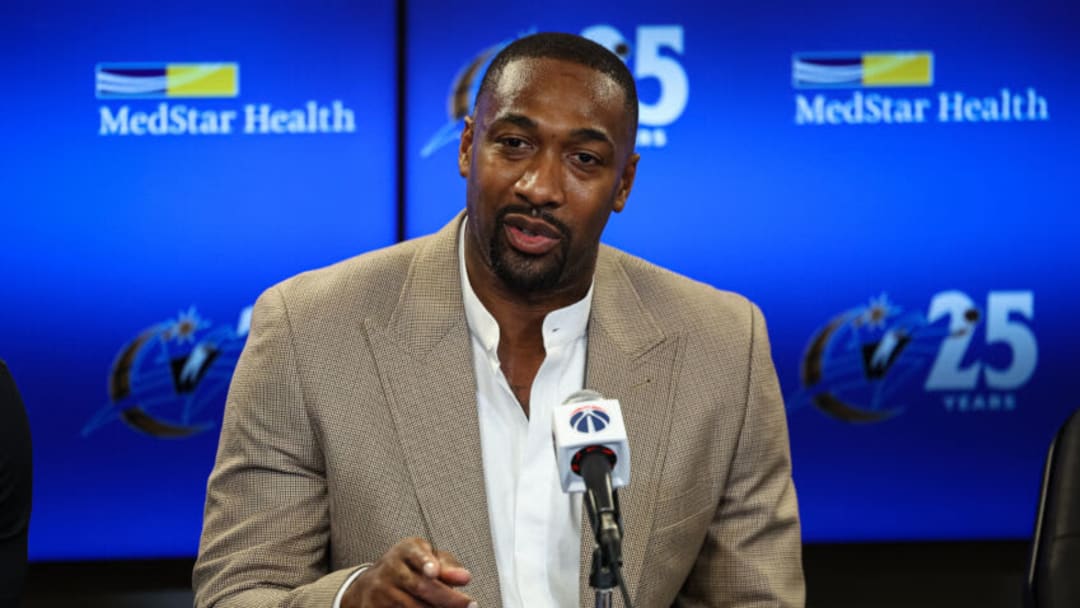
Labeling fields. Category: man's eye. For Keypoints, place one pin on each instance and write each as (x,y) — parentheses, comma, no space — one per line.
(586,159)
(513,142)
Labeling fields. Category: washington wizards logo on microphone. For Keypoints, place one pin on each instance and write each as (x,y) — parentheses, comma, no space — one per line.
(589,419)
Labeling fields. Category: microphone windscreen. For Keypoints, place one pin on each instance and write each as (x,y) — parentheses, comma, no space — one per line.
(586,419)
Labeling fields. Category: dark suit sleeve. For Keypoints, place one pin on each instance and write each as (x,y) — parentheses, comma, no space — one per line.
(15,489)
(752,555)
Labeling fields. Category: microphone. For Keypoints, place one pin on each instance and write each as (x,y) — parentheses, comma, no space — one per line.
(593,457)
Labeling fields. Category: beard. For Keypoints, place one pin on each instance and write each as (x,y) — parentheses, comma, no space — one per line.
(522,272)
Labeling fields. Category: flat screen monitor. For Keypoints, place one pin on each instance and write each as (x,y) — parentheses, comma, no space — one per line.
(164,163)
(895,186)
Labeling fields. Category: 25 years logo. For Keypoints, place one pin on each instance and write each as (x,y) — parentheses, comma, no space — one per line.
(653,55)
(872,362)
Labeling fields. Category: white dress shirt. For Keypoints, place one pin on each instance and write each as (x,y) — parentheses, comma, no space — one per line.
(535,527)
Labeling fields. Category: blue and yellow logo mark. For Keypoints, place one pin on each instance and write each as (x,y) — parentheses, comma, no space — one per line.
(862,70)
(158,80)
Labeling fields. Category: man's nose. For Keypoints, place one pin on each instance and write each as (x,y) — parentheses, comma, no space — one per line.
(541,184)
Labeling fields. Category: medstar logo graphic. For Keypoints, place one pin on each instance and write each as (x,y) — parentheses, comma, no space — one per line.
(148,80)
(873,362)
(898,69)
(909,68)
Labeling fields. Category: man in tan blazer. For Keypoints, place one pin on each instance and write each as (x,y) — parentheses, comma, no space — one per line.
(352,423)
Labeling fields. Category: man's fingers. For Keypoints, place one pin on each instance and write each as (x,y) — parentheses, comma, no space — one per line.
(411,573)
(417,554)
(448,559)
(451,571)
(433,576)
(434,592)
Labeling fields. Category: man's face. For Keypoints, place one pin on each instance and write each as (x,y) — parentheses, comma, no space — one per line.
(547,156)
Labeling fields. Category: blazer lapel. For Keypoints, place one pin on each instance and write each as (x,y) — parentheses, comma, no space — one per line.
(425,364)
(630,359)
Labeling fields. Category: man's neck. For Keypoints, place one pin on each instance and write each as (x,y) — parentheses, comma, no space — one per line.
(520,317)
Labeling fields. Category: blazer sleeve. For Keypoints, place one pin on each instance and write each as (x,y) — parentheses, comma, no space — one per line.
(752,554)
(266,526)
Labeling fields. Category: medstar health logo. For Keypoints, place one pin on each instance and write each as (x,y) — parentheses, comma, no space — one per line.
(877,80)
(170,380)
(126,109)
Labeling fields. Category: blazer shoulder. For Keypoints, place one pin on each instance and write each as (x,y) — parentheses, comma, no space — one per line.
(366,286)
(679,303)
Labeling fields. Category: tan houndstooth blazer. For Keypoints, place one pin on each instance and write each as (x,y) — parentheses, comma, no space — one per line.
(351,424)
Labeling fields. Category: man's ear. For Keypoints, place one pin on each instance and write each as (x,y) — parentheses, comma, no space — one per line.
(626,183)
(464,158)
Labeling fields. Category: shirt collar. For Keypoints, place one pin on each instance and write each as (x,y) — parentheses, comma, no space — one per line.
(561,326)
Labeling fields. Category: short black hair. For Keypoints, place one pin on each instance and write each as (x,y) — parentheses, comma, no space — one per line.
(565,47)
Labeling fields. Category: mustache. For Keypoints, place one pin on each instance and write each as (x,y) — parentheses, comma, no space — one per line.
(527,210)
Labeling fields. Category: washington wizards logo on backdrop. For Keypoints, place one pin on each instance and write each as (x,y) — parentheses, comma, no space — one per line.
(164,381)
(865,364)
(459,102)
(466,83)
(589,419)
(663,84)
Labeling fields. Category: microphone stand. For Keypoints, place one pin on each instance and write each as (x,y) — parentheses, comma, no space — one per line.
(602,579)
(604,575)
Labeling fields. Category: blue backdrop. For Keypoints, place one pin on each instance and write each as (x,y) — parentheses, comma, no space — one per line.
(894,186)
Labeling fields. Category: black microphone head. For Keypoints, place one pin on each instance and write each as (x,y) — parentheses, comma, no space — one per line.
(579,457)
